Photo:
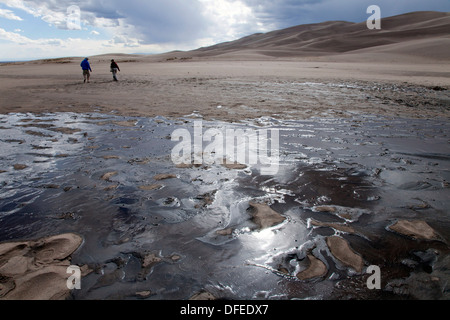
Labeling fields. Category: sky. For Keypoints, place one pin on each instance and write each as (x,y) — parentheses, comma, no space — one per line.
(36,29)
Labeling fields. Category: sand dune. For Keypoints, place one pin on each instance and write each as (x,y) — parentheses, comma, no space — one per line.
(425,34)
(428,50)
(334,37)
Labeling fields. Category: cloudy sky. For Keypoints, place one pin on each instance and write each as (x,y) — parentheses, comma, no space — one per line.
(32,29)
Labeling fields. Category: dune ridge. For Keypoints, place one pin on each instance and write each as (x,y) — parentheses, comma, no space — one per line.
(341,37)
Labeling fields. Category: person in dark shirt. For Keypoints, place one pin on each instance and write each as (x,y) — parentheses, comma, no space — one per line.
(114,69)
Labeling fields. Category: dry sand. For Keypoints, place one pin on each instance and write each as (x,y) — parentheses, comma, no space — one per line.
(229,90)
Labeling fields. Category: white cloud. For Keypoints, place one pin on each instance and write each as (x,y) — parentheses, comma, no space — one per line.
(8,14)
(19,39)
(134,23)
(125,41)
(13,37)
(154,26)
(18,47)
(152,22)
(230,19)
(57,19)
(20,4)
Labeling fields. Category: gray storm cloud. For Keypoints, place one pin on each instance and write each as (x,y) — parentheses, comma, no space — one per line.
(184,21)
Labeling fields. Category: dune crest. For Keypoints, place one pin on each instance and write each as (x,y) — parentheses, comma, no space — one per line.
(407,34)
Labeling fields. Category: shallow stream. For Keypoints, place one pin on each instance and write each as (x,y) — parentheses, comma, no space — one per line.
(191,231)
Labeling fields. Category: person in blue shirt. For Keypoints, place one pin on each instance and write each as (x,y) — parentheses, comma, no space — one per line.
(86,70)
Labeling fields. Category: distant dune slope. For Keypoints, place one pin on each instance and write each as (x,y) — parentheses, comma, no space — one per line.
(401,34)
(416,37)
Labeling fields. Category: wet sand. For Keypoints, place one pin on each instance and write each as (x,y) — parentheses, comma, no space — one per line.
(350,192)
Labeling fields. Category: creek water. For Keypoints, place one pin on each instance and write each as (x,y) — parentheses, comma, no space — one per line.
(192,231)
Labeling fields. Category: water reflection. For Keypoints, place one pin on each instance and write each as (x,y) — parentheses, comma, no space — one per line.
(111,179)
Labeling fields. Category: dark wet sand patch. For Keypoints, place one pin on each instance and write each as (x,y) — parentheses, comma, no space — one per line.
(203,296)
(65,130)
(111,188)
(415,229)
(234,166)
(37,270)
(36,125)
(337,226)
(151,187)
(129,123)
(264,216)
(19,167)
(15,141)
(38,134)
(40,147)
(341,249)
(107,176)
(316,269)
(164,176)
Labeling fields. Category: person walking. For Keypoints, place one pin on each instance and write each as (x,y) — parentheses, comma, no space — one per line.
(114,69)
(85,65)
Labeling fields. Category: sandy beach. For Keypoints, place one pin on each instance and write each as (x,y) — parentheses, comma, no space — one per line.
(241,89)
(87,177)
